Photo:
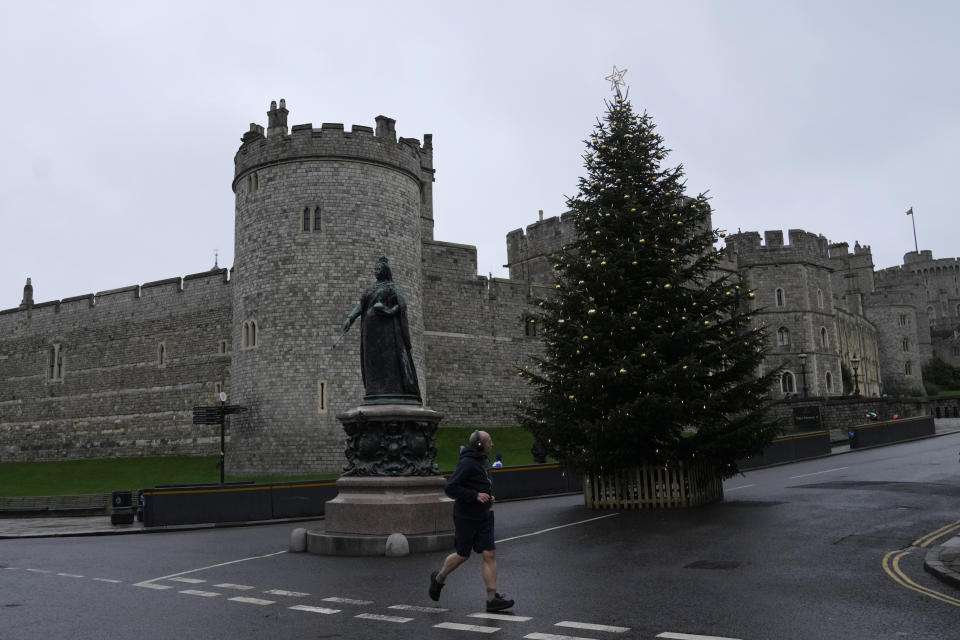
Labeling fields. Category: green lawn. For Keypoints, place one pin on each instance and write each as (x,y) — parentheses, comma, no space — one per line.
(105,475)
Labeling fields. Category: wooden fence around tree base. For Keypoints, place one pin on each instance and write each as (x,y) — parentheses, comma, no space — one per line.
(653,487)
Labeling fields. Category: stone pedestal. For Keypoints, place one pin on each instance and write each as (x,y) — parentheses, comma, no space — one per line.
(390,485)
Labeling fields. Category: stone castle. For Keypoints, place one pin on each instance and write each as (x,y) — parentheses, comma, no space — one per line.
(116,373)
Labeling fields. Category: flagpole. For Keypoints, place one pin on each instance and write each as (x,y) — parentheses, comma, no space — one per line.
(914,223)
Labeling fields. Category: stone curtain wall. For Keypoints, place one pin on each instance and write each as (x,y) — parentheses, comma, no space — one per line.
(115,398)
(476,338)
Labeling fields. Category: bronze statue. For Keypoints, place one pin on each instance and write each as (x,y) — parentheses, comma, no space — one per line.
(386,362)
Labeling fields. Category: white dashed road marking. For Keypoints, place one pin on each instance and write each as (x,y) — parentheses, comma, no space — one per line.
(347,601)
(410,607)
(109,580)
(291,594)
(238,587)
(256,601)
(552,636)
(687,636)
(70,575)
(188,580)
(152,585)
(592,627)
(746,486)
(324,610)
(377,616)
(456,626)
(202,594)
(500,616)
(39,571)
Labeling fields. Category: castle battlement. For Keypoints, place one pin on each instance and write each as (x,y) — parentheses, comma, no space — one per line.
(190,288)
(803,247)
(260,149)
(924,260)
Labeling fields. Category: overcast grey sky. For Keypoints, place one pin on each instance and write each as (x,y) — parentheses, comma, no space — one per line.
(122,118)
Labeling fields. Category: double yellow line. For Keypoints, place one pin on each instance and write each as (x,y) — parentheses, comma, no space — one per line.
(891,564)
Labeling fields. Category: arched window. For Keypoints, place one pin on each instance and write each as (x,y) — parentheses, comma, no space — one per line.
(55,362)
(530,326)
(908,368)
(783,336)
(820,298)
(780,297)
(249,334)
(828,381)
(161,354)
(905,344)
(786,382)
(931,314)
(310,219)
(823,337)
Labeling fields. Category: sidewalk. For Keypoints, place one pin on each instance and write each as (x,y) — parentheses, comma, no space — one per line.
(943,561)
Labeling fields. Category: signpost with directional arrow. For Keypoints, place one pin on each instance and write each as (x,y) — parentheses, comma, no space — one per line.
(215,415)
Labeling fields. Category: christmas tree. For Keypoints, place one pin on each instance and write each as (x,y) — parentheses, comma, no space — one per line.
(650,355)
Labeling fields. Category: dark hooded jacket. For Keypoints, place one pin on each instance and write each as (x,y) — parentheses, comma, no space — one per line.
(470,478)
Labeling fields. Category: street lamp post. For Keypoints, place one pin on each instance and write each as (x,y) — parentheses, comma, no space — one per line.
(803,372)
(855,361)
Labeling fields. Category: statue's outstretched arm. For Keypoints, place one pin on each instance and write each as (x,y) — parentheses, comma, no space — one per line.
(350,318)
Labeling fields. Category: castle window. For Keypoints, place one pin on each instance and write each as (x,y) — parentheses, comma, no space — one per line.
(217,388)
(828,381)
(310,220)
(905,344)
(222,347)
(820,298)
(903,320)
(908,368)
(55,362)
(779,297)
(786,382)
(931,314)
(823,337)
(321,396)
(249,334)
(253,182)
(530,326)
(161,354)
(783,336)
(955,351)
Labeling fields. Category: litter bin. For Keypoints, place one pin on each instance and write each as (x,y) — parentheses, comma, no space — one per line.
(122,504)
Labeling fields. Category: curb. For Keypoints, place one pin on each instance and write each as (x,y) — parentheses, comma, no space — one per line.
(935,566)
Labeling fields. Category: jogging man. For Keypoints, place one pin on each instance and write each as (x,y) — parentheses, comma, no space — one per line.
(471,486)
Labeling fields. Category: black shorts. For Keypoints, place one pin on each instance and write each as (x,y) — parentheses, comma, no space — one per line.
(473,534)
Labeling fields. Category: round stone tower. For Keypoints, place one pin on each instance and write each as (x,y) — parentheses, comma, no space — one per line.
(315,209)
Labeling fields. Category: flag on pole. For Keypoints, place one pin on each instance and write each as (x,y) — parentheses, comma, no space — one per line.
(910,211)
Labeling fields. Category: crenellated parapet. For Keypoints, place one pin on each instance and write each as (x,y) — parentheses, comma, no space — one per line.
(528,250)
(331,140)
(802,247)
(169,292)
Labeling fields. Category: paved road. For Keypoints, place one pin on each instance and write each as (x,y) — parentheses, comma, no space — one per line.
(795,552)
